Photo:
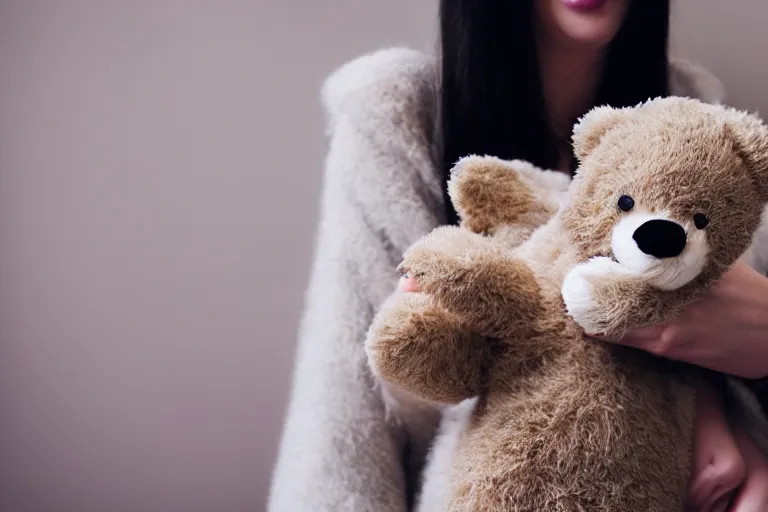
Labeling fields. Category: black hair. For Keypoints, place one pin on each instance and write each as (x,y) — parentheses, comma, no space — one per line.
(491,99)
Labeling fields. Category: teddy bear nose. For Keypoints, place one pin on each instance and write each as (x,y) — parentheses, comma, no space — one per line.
(661,238)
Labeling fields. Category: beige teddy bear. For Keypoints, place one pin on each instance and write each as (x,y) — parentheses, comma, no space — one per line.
(667,196)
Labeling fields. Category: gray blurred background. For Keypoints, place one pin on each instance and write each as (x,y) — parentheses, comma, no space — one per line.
(160,164)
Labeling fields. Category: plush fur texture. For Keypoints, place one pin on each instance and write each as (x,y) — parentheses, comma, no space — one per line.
(564,422)
(351,443)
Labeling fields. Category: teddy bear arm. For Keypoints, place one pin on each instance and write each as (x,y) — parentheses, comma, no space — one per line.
(632,305)
(605,299)
(423,349)
(489,193)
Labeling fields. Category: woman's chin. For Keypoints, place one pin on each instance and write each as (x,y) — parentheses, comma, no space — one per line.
(583,30)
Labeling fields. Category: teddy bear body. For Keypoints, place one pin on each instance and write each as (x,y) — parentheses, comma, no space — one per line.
(667,197)
(550,429)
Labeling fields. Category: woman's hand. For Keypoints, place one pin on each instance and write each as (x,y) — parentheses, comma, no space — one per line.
(718,468)
(729,472)
(726,331)
(752,495)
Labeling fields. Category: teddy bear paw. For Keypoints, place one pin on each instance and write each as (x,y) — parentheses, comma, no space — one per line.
(442,259)
(580,297)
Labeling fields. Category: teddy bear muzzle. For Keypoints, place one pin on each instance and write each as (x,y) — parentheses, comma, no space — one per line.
(661,238)
(666,253)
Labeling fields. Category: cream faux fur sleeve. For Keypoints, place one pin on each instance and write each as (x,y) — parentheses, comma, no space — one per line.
(340,450)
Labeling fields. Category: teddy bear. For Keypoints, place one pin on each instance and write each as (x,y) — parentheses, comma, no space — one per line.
(666,197)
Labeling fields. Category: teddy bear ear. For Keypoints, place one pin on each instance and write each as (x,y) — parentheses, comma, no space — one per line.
(750,136)
(590,129)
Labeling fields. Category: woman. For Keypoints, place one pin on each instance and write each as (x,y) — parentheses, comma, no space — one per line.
(513,76)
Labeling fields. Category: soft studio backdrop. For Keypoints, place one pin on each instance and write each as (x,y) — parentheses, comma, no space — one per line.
(160,164)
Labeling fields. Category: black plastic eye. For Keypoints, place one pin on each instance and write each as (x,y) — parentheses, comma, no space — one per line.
(700,220)
(626,203)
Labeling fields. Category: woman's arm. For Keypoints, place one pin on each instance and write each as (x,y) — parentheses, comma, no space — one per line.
(340,449)
(726,331)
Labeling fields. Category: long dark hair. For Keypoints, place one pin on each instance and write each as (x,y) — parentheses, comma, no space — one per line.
(491,99)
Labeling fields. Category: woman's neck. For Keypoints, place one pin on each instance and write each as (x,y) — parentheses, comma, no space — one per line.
(570,78)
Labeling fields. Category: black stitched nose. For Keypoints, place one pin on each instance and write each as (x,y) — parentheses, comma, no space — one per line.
(660,238)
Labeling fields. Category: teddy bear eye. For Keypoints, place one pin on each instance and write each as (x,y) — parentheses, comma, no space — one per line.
(700,220)
(626,203)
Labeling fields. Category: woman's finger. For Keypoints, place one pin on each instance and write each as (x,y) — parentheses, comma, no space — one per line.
(408,284)
(646,338)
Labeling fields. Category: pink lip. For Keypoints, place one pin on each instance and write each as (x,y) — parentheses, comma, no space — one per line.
(584,5)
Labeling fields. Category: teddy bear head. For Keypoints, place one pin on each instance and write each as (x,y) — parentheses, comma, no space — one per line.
(672,189)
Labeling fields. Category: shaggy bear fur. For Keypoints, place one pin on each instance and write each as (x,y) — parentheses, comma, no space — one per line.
(564,422)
